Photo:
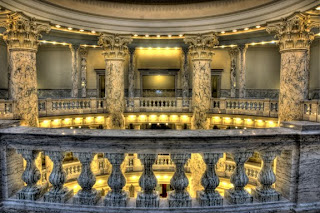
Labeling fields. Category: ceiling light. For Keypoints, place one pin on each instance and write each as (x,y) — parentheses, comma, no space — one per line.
(258,26)
(222,46)
(169,36)
(263,42)
(253,43)
(94,46)
(234,31)
(318,8)
(69,28)
(58,26)
(44,41)
(141,48)
(64,43)
(149,48)
(223,32)
(93,32)
(180,35)
(158,36)
(54,42)
(81,30)
(246,28)
(135,35)
(147,35)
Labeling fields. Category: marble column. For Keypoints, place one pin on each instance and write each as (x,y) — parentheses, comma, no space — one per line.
(115,52)
(117,197)
(22,37)
(295,36)
(179,182)
(239,179)
(233,52)
(185,77)
(201,52)
(75,75)
(58,193)
(131,77)
(242,70)
(83,52)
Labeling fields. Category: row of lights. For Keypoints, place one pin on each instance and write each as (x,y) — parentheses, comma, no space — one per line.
(158,36)
(71,29)
(245,29)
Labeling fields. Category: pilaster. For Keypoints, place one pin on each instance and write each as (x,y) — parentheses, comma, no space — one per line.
(131,77)
(75,75)
(83,71)
(233,53)
(242,70)
(185,77)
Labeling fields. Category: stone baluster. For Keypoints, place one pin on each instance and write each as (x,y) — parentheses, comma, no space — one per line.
(179,182)
(22,37)
(83,70)
(57,178)
(266,177)
(242,70)
(115,52)
(116,197)
(87,195)
(148,182)
(239,179)
(30,176)
(201,52)
(75,75)
(233,52)
(210,181)
(295,37)
(185,77)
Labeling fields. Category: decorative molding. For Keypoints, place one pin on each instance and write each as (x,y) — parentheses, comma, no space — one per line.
(114,45)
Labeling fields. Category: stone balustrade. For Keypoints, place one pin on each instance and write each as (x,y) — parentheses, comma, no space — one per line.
(6,109)
(311,110)
(283,151)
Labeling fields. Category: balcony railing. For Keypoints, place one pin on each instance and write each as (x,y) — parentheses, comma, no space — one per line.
(6,109)
(294,154)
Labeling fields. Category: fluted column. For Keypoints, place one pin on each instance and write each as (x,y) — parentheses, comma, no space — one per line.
(116,197)
(83,52)
(131,77)
(233,52)
(201,52)
(87,195)
(295,36)
(75,75)
(242,70)
(22,37)
(239,179)
(185,77)
(210,181)
(115,52)
(30,176)
(266,177)
(148,182)
(58,193)
(179,182)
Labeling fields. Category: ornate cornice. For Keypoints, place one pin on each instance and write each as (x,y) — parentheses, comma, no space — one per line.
(114,45)
(293,32)
(23,32)
(201,45)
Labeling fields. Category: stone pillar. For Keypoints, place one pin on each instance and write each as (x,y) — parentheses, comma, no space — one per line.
(233,52)
(131,77)
(75,70)
(179,182)
(242,70)
(22,37)
(210,181)
(185,77)
(58,193)
(115,52)
(239,179)
(266,177)
(295,36)
(87,195)
(83,52)
(148,182)
(116,197)
(201,52)
(30,176)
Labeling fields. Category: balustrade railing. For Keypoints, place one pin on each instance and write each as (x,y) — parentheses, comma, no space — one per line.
(311,109)
(6,109)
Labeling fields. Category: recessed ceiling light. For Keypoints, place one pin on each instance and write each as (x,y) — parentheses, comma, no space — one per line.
(169,36)
(223,32)
(158,36)
(81,30)
(180,35)
(93,32)
(135,35)
(149,48)
(69,28)
(246,28)
(54,42)
(64,43)
(222,46)
(258,26)
(318,8)
(147,35)
(58,26)
(253,43)
(234,31)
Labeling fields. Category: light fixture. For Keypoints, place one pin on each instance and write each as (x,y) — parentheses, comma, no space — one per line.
(176,48)
(94,46)
(158,36)
(69,28)
(44,41)
(141,48)
(81,30)
(147,35)
(58,26)
(234,31)
(180,35)
(263,42)
(169,36)
(246,28)
(258,26)
(223,32)
(93,32)
(223,46)
(318,8)
(135,35)
(253,43)
(64,43)
(54,42)
(150,48)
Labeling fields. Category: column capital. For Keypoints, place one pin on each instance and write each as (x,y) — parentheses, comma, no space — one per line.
(233,52)
(114,45)
(294,32)
(23,32)
(201,45)
(83,51)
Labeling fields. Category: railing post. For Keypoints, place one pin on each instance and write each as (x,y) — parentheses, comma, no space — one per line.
(266,177)
(237,194)
(136,102)
(314,111)
(87,195)
(223,105)
(210,181)
(93,105)
(49,106)
(179,182)
(58,194)
(30,176)
(116,197)
(266,107)
(148,182)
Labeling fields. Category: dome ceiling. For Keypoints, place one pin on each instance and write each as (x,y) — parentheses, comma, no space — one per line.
(160,2)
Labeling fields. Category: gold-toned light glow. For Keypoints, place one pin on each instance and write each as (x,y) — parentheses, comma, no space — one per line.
(258,26)
(93,32)
(180,35)
(147,35)
(89,120)
(58,26)
(318,8)
(142,118)
(135,35)
(158,36)
(69,28)
(163,118)
(153,118)
(234,31)
(223,32)
(169,36)
(81,30)
(246,28)
(173,118)
(184,118)
(132,118)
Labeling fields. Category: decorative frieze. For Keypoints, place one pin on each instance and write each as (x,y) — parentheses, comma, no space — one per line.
(233,52)
(83,52)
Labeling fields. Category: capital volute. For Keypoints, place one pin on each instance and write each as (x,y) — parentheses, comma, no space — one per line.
(233,52)
(23,32)
(201,45)
(114,45)
(293,32)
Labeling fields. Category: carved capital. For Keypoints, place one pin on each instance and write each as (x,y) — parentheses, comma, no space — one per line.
(233,52)
(293,32)
(114,45)
(23,32)
(201,45)
(83,52)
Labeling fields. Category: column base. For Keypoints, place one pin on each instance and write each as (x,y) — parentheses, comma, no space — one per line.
(84,198)
(31,193)
(58,197)
(266,195)
(238,197)
(179,200)
(116,200)
(147,200)
(212,199)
